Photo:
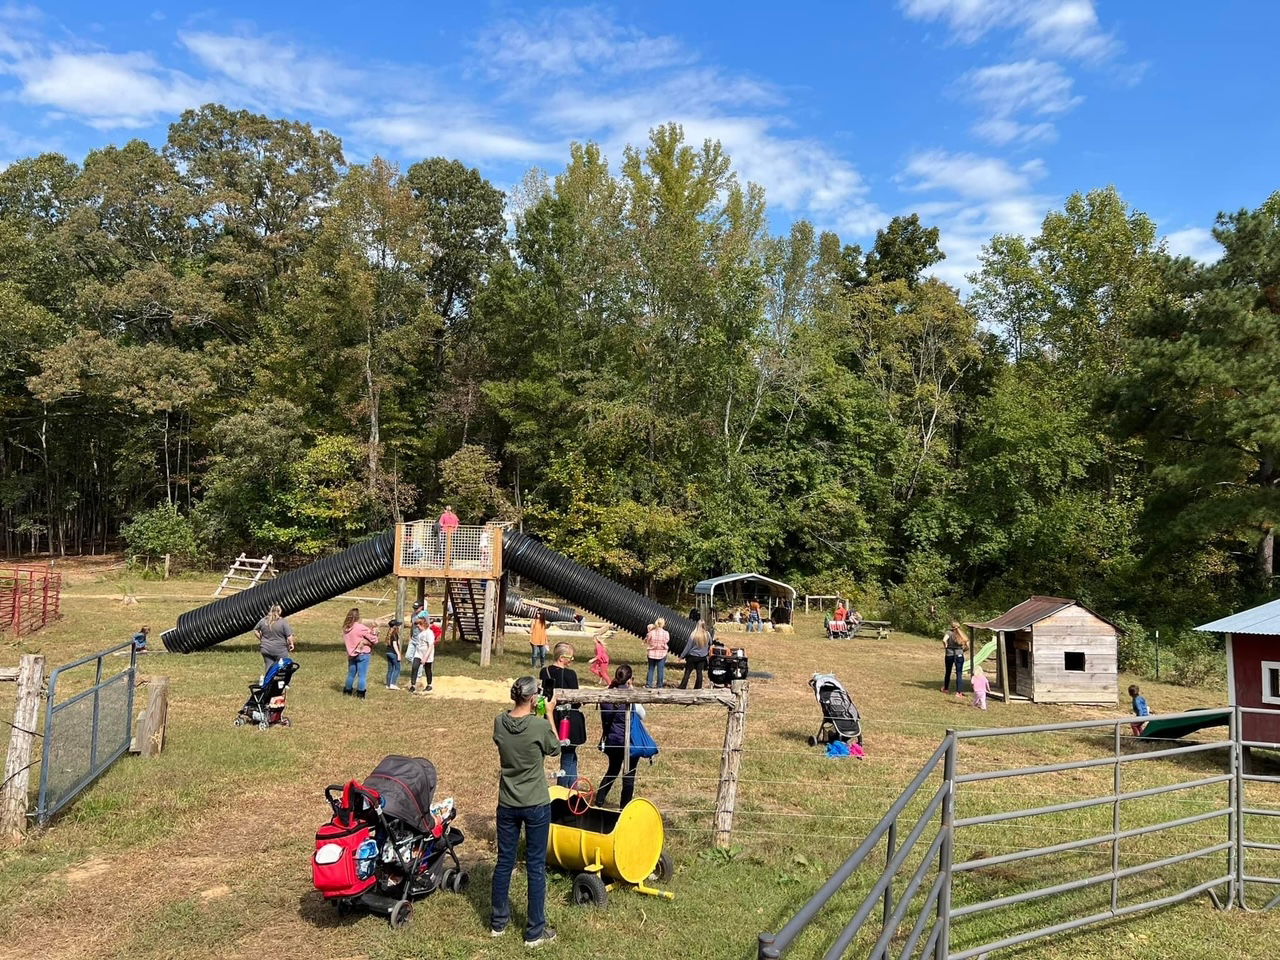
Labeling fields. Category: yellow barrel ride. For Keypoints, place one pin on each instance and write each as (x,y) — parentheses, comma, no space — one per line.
(605,848)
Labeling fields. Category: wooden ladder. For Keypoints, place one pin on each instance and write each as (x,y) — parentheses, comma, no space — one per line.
(468,608)
(248,570)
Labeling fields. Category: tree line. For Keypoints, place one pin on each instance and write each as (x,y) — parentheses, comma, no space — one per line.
(240,341)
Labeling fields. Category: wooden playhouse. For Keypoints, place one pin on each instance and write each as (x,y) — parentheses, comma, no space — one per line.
(1053,650)
(1253,668)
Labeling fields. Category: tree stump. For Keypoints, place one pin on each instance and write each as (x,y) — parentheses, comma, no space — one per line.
(149,740)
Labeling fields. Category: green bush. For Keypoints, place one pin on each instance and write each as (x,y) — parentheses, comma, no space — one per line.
(162,530)
(920,602)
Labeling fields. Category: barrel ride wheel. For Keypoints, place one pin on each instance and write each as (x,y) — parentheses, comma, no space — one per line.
(582,795)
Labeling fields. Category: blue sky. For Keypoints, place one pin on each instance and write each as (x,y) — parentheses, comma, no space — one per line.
(979,114)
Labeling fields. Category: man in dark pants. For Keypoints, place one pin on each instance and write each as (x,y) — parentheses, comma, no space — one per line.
(524,739)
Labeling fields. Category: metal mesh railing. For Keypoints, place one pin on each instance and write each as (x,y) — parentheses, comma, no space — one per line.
(89,729)
(1152,824)
(426,545)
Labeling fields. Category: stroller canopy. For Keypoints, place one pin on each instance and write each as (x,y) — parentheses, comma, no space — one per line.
(834,699)
(406,785)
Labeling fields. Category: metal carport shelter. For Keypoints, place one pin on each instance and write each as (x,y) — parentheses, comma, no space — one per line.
(737,587)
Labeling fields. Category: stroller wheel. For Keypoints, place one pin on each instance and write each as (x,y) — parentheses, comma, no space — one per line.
(589,890)
(813,741)
(239,720)
(455,881)
(286,722)
(401,915)
(264,725)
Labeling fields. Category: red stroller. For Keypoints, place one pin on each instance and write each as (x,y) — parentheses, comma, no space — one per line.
(383,849)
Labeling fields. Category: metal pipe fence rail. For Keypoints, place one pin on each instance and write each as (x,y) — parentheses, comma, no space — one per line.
(88,731)
(1214,865)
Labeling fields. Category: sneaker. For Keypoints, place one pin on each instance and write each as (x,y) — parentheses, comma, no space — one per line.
(412,688)
(393,687)
(498,933)
(548,936)
(430,688)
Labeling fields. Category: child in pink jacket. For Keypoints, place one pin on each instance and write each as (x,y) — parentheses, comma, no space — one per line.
(600,662)
(980,685)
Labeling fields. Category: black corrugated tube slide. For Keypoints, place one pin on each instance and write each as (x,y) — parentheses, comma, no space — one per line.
(329,577)
(296,590)
(615,603)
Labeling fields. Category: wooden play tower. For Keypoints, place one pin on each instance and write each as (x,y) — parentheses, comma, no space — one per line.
(469,561)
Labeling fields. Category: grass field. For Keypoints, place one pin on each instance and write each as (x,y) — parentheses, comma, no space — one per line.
(204,851)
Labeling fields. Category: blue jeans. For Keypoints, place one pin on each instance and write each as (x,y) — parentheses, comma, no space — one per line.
(569,764)
(538,656)
(658,669)
(955,660)
(358,671)
(754,624)
(537,825)
(393,669)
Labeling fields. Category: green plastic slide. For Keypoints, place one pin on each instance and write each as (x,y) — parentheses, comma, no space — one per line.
(1178,729)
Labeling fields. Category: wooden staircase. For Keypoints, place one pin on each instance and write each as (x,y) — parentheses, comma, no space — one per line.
(467,600)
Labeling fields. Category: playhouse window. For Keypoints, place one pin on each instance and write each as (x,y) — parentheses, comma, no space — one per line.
(1073,660)
(1270,681)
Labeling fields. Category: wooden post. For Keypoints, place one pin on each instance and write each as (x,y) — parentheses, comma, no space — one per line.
(166,566)
(402,592)
(1002,666)
(422,592)
(17,763)
(487,624)
(735,734)
(149,740)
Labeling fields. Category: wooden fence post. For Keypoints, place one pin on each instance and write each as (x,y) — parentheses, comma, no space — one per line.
(487,623)
(17,764)
(735,734)
(149,740)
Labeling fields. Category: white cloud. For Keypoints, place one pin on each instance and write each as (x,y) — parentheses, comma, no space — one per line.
(1008,91)
(968,175)
(429,131)
(573,42)
(1063,27)
(1198,243)
(105,89)
(973,198)
(276,73)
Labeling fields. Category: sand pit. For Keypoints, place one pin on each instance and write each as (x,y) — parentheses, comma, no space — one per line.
(469,688)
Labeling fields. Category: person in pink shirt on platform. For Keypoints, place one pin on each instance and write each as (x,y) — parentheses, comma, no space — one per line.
(359,638)
(446,525)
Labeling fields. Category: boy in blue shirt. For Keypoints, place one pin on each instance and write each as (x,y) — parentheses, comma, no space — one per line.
(1140,709)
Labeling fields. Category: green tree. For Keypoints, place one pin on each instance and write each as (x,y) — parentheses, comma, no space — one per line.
(1203,397)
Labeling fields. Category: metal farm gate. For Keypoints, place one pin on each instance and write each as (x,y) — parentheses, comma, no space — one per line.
(90,728)
(1161,823)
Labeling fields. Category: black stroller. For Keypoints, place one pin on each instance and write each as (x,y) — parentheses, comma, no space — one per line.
(840,717)
(386,845)
(266,702)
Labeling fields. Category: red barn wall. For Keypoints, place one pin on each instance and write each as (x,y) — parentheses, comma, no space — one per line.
(1247,653)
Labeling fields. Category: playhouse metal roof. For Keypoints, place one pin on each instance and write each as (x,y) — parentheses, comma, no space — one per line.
(1026,613)
(777,587)
(1264,619)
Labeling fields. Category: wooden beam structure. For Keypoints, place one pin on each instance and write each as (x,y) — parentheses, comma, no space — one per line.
(734,699)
